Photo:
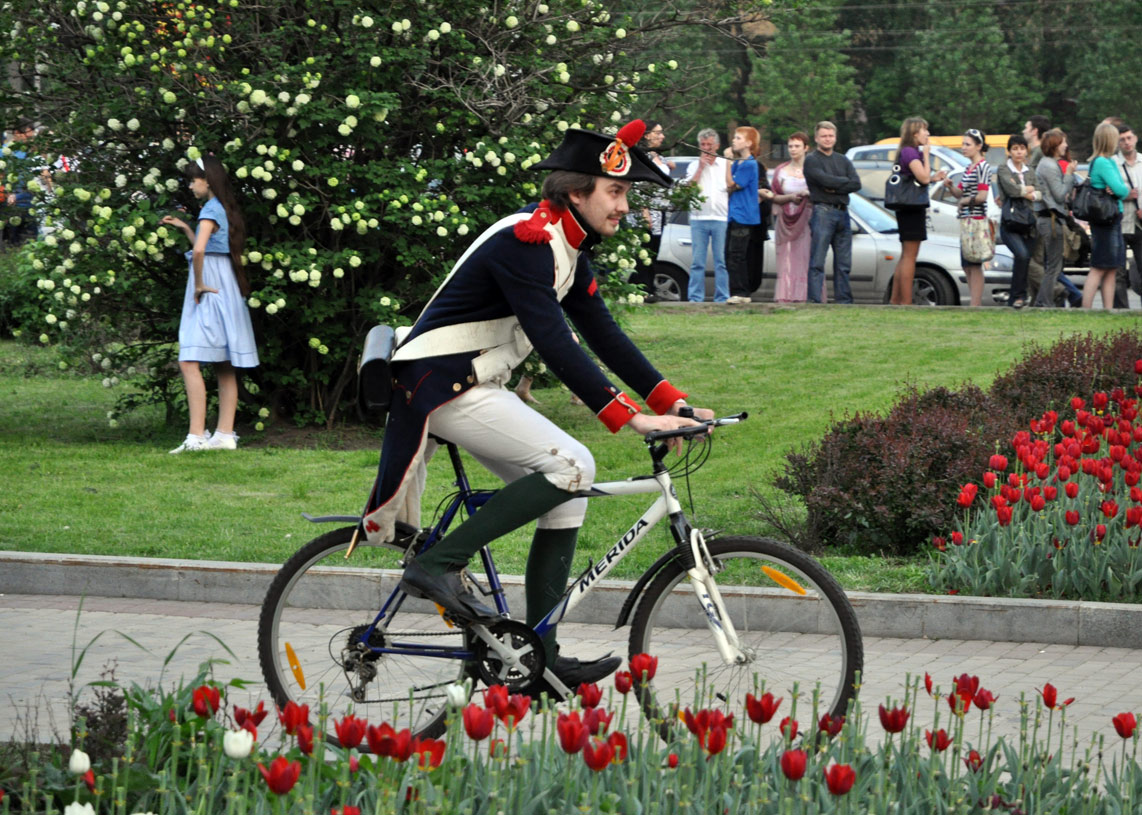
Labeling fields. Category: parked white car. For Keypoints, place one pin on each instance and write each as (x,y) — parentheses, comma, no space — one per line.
(941,158)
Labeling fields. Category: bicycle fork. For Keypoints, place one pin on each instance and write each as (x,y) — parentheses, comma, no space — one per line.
(706,590)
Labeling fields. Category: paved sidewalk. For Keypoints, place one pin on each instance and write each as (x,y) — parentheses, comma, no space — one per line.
(36,636)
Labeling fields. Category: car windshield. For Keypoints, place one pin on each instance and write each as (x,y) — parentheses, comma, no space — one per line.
(877,219)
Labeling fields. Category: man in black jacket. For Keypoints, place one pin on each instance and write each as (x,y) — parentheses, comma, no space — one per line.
(830,177)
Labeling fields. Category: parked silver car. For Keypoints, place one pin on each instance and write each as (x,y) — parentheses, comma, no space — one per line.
(940,279)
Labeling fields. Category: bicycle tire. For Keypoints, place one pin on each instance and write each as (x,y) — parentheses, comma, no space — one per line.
(317,601)
(811,641)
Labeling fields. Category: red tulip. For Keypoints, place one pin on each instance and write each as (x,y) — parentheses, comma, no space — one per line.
(989,480)
(830,724)
(1078,403)
(206,700)
(573,734)
(1138,366)
(1099,533)
(1037,503)
(1051,696)
(1134,517)
(385,741)
(496,699)
(618,742)
(282,774)
(894,720)
(938,741)
(788,728)
(305,738)
(517,707)
(597,720)
(1003,515)
(293,715)
(350,731)
(793,763)
(761,710)
(840,778)
(623,681)
(89,780)
(429,752)
(1073,517)
(672,761)
(590,695)
(984,699)
(939,543)
(643,667)
(974,761)
(345,810)
(998,462)
(716,740)
(958,538)
(354,763)
(255,716)
(1072,489)
(704,721)
(965,499)
(597,754)
(478,722)
(1125,724)
(497,748)
(928,682)
(1109,508)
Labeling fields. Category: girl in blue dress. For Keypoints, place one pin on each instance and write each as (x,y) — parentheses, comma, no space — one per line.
(215,324)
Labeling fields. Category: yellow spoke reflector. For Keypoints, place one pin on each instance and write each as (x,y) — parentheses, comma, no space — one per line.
(783,580)
(295,666)
(440,611)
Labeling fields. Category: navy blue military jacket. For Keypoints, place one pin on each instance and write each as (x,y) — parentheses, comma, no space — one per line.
(513,273)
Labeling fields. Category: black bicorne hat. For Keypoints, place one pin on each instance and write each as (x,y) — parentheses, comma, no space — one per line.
(618,156)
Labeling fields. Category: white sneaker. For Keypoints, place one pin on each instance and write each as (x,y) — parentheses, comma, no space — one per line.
(192,442)
(222,441)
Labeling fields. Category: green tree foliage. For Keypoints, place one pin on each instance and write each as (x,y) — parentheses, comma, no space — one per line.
(802,76)
(1102,75)
(369,143)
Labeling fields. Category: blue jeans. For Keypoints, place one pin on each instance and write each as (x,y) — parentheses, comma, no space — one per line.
(829,226)
(1020,245)
(708,235)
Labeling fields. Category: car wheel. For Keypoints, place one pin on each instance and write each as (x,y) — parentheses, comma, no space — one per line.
(930,287)
(667,283)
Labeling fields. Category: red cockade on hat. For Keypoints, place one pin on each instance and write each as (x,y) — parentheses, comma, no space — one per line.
(616,159)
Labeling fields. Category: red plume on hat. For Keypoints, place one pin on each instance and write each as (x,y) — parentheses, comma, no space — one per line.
(631,133)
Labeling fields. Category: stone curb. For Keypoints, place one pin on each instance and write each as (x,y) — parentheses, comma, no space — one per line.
(906,616)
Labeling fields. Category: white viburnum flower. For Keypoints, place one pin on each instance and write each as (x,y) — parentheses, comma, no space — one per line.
(132,124)
(76,808)
(551,39)
(620,33)
(511,22)
(445,28)
(375,62)
(353,101)
(366,22)
(572,26)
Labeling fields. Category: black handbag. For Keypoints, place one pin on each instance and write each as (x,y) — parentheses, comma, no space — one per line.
(1017,216)
(904,191)
(1096,207)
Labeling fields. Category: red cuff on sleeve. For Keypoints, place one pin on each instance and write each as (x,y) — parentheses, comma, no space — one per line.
(618,412)
(663,397)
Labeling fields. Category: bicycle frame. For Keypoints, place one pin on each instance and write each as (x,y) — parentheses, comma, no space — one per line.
(688,541)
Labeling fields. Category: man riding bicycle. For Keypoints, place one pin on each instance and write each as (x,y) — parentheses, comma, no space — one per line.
(509,293)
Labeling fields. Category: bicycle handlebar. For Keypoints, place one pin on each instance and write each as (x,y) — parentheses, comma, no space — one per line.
(692,431)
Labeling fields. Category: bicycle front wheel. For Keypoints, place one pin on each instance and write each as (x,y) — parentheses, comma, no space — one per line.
(796,632)
(312,645)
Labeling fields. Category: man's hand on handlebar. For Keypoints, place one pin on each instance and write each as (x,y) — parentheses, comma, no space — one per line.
(642,424)
(690,412)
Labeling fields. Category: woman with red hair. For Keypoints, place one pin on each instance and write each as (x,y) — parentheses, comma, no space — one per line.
(745,214)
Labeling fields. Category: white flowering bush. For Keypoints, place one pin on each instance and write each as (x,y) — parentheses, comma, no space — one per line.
(367,151)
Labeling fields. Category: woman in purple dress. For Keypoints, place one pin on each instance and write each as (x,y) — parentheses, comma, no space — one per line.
(790,196)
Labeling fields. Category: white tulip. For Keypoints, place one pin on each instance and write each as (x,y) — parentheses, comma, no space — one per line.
(238,743)
(457,695)
(79,763)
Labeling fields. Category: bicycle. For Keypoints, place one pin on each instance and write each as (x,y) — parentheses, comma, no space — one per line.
(320,630)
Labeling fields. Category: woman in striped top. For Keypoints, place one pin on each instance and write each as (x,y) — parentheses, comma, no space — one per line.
(973,191)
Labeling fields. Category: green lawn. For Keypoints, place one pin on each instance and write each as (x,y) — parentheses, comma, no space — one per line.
(74,484)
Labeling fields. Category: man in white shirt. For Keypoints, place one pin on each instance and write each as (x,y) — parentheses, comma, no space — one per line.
(1131,169)
(708,223)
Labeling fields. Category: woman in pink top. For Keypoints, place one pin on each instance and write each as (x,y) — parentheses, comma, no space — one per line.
(790,194)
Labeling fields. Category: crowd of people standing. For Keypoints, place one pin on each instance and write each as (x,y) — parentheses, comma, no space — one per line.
(807,198)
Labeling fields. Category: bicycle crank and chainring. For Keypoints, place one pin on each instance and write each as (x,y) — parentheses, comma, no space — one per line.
(524,644)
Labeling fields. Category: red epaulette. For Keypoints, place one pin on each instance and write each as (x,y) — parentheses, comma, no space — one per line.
(533,229)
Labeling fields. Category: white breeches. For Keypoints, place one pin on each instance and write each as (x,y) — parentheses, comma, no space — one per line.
(512,440)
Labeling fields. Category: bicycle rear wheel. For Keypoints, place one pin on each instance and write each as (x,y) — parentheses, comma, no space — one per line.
(310,638)
(794,625)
